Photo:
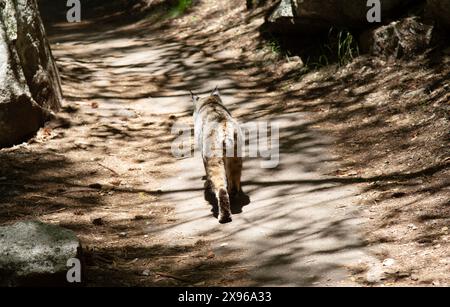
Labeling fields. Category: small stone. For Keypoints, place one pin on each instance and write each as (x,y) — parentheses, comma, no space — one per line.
(116,182)
(412,227)
(388,262)
(146,273)
(375,274)
(200,284)
(295,59)
(292,65)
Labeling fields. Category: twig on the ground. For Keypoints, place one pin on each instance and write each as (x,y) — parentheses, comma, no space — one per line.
(40,196)
(78,191)
(109,169)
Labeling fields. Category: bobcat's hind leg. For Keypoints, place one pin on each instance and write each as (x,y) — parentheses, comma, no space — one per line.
(210,195)
(218,180)
(234,173)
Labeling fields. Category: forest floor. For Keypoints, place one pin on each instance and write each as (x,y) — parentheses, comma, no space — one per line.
(361,195)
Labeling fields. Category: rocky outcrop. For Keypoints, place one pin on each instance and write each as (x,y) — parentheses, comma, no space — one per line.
(29,81)
(283,18)
(440,10)
(33,253)
(400,39)
(320,15)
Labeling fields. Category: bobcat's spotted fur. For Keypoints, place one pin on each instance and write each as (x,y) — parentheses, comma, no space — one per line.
(219,137)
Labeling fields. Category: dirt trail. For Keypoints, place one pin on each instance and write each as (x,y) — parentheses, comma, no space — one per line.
(140,211)
(301,227)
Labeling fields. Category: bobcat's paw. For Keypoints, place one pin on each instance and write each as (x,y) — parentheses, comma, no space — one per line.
(223,219)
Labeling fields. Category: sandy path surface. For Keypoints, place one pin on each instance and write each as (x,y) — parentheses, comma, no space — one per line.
(125,88)
(301,226)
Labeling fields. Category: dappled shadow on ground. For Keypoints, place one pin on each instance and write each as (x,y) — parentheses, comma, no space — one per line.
(32,182)
(393,131)
(386,144)
(163,266)
(84,179)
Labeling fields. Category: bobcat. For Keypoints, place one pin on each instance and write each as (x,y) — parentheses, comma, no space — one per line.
(219,137)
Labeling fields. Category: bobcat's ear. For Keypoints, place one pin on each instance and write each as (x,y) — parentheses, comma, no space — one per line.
(194,97)
(216,92)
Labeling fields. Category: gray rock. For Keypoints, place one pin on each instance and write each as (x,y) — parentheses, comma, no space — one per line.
(375,274)
(400,39)
(283,18)
(284,10)
(294,63)
(34,253)
(29,81)
(320,15)
(440,10)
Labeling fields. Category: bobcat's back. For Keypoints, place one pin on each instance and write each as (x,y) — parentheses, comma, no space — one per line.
(217,133)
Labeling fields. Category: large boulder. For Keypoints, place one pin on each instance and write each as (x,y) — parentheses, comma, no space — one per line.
(321,15)
(34,253)
(400,39)
(440,10)
(283,18)
(30,86)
